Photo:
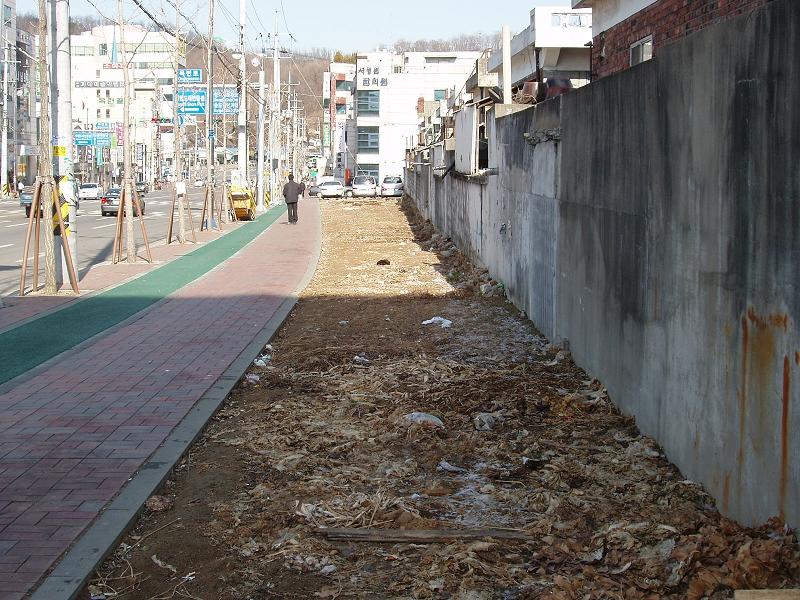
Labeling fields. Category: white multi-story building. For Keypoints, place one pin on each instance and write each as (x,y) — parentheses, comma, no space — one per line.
(390,95)
(97,100)
(338,125)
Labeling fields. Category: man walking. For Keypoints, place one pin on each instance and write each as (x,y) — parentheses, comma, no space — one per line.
(291,193)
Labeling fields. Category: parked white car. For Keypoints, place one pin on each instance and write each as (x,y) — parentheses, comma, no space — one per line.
(392,186)
(89,191)
(364,185)
(331,189)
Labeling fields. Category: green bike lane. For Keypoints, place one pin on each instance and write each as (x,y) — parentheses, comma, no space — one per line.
(26,346)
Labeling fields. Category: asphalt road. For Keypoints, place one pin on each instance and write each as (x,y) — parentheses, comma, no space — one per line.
(95,233)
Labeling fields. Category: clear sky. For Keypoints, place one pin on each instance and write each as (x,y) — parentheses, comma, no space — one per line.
(346,25)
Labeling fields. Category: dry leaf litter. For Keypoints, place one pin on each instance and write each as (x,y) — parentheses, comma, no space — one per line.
(361,416)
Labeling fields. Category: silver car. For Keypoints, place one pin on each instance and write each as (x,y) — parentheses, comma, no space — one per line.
(392,186)
(364,185)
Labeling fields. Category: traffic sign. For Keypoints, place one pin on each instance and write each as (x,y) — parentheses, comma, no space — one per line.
(190,75)
(211,134)
(226,101)
(191,102)
(83,138)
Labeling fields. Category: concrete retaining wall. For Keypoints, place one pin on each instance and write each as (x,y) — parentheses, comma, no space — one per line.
(660,235)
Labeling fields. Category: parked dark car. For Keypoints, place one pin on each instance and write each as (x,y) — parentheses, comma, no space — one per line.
(313,190)
(109,203)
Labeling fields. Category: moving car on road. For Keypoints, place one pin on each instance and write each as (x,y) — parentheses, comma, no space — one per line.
(364,185)
(109,203)
(392,186)
(142,188)
(199,182)
(89,191)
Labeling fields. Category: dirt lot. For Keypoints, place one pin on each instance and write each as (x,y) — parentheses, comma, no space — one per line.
(363,417)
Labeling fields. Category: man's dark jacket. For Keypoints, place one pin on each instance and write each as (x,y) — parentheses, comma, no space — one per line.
(291,192)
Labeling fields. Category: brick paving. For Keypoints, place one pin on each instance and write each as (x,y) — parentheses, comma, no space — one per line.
(72,435)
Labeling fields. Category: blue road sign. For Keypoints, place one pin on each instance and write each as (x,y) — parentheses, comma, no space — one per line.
(211,134)
(226,101)
(191,102)
(190,75)
(83,138)
(102,138)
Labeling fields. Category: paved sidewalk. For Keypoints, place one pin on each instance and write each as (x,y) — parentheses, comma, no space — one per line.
(73,432)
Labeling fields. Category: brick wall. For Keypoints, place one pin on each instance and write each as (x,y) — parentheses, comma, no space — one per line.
(666,21)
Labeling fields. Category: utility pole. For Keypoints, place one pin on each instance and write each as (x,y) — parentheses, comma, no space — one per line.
(261,100)
(210,152)
(62,122)
(242,122)
(274,116)
(45,158)
(4,189)
(176,128)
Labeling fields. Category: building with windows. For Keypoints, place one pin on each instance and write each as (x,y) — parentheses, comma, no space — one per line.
(98,96)
(9,74)
(627,32)
(554,44)
(338,124)
(389,89)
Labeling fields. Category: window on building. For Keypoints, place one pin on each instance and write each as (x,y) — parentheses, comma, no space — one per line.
(368,102)
(164,81)
(97,73)
(341,109)
(439,94)
(368,139)
(398,69)
(167,97)
(642,50)
(368,170)
(102,50)
(344,86)
(98,113)
(108,93)
(98,93)
(435,60)
(7,13)
(108,113)
(82,50)
(570,20)
(326,102)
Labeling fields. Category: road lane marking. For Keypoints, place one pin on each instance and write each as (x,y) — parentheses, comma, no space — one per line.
(17,225)
(104,226)
(5,246)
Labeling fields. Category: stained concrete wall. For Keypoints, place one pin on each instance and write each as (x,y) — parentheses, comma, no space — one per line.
(660,235)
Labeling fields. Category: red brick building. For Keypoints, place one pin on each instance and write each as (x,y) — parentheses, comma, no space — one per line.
(627,32)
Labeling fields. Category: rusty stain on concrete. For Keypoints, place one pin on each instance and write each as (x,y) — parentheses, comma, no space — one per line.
(742,398)
(784,477)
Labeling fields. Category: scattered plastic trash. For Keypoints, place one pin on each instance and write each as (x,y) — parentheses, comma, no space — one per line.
(361,360)
(328,569)
(252,378)
(163,564)
(446,466)
(259,362)
(422,418)
(344,323)
(441,321)
(487,421)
